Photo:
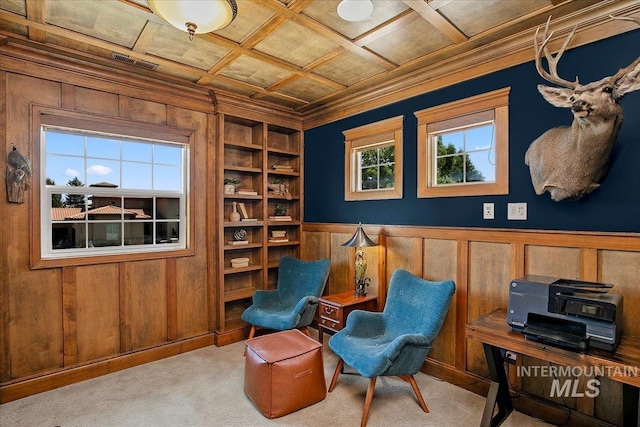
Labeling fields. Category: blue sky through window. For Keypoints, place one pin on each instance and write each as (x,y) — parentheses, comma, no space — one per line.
(478,143)
(134,165)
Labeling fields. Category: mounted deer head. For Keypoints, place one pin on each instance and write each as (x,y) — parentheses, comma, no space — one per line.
(571,161)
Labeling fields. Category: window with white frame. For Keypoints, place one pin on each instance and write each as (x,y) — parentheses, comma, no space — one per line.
(373,161)
(105,193)
(463,147)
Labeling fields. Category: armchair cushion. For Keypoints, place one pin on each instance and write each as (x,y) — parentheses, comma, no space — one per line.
(292,304)
(396,341)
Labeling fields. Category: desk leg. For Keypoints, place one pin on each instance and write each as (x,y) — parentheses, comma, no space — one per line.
(499,390)
(629,405)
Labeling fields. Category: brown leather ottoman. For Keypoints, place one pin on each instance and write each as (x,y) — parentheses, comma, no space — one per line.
(284,372)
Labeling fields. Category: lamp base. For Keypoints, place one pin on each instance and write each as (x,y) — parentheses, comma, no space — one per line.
(361,286)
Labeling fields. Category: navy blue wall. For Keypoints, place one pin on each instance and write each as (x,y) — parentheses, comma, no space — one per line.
(615,206)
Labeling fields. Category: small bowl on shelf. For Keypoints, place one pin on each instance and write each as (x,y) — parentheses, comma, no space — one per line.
(239,262)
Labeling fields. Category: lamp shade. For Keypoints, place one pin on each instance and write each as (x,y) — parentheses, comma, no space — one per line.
(359,239)
(196,16)
(355,10)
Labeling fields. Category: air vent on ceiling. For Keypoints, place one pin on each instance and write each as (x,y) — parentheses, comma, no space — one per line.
(125,59)
(146,64)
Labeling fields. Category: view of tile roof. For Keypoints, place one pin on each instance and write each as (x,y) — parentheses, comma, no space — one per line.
(61,214)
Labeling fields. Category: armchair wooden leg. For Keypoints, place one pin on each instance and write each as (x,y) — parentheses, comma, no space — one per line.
(336,374)
(367,401)
(252,333)
(306,331)
(411,380)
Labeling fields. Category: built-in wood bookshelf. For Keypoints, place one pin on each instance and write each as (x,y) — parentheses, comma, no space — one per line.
(267,160)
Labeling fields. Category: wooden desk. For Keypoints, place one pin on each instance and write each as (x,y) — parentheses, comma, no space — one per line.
(496,335)
(335,308)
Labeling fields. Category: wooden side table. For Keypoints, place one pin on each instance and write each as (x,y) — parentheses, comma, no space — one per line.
(335,308)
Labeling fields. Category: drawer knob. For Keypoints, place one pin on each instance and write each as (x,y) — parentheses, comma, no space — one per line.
(328,310)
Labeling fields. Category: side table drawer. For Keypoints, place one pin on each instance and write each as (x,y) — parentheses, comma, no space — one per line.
(334,309)
(331,312)
(330,324)
(331,317)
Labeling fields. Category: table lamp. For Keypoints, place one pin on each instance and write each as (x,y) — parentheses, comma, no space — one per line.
(360,240)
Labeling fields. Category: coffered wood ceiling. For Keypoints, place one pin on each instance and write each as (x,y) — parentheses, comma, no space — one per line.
(300,55)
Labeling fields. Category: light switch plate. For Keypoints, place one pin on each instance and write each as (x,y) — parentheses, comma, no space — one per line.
(517,211)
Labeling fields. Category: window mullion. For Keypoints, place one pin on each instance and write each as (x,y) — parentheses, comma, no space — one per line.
(133,225)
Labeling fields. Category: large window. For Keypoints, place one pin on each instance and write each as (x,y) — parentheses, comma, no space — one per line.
(373,161)
(109,193)
(463,147)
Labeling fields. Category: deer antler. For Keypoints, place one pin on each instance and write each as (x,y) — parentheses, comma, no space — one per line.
(631,66)
(552,75)
(626,18)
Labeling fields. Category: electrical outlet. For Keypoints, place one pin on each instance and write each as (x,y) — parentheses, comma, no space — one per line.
(517,211)
(487,211)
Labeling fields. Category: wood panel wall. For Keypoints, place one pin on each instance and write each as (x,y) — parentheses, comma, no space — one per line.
(56,319)
(482,263)
(67,322)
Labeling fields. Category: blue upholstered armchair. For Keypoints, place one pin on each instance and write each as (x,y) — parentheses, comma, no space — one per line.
(396,341)
(294,302)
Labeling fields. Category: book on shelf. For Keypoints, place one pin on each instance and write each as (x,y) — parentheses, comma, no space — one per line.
(243,210)
(246,192)
(278,240)
(280,218)
(238,242)
(282,167)
(249,219)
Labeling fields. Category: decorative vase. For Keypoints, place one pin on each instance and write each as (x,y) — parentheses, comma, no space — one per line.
(235,215)
(360,268)
(361,265)
(229,189)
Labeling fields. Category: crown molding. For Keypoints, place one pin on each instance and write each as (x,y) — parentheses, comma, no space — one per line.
(593,23)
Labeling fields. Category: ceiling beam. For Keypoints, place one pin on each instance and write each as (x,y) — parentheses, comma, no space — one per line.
(386,28)
(247,45)
(72,35)
(438,21)
(36,11)
(309,23)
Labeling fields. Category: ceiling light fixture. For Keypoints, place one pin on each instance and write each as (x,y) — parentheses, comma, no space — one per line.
(355,10)
(196,16)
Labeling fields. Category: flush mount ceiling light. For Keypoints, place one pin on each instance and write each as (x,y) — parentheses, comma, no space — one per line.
(196,16)
(355,10)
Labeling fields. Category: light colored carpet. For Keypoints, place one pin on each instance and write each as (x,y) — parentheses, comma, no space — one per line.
(205,388)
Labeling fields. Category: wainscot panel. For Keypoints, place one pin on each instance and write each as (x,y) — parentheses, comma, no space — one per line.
(482,262)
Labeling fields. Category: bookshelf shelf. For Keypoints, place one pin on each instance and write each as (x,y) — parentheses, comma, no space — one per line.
(249,149)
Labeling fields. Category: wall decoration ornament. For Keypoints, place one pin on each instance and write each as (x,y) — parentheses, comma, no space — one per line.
(570,161)
(17,175)
(239,234)
(279,189)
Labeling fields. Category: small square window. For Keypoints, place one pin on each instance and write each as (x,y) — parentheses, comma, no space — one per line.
(373,161)
(463,147)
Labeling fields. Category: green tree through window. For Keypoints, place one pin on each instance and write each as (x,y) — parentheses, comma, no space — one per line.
(74,200)
(378,168)
(56,199)
(452,164)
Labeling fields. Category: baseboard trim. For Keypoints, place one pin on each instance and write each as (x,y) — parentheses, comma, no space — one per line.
(51,380)
(226,338)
